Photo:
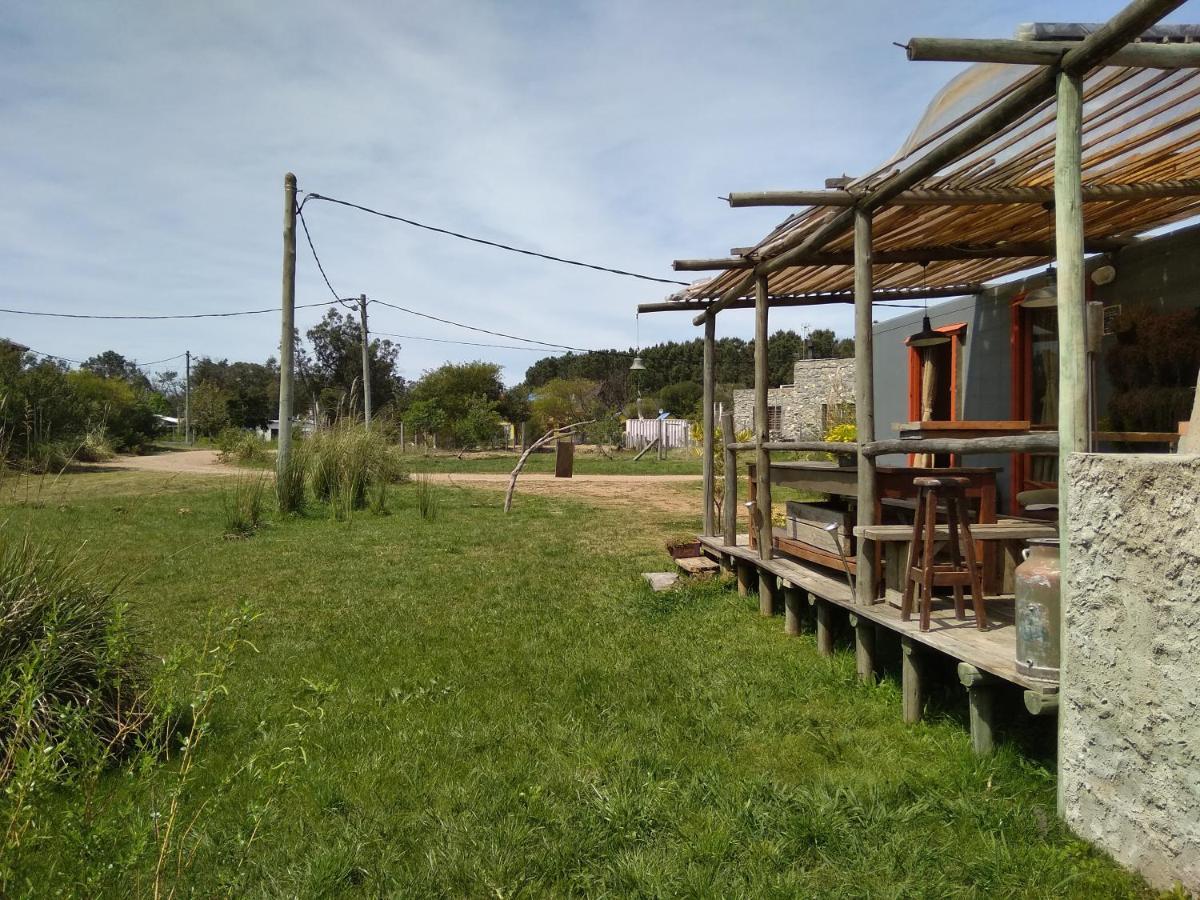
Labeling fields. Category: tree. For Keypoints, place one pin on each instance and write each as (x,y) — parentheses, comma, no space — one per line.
(561,401)
(681,399)
(251,389)
(456,389)
(210,409)
(425,417)
(111,364)
(479,425)
(335,371)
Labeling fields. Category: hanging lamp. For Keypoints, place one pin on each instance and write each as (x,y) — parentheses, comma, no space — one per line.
(927,337)
(1045,296)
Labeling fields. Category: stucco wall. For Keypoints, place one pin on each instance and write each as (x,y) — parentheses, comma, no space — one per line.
(816,383)
(1130,747)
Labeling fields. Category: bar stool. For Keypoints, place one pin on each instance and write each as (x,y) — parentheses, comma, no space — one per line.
(921,569)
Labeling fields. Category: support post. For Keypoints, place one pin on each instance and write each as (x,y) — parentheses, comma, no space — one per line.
(867,577)
(981,695)
(913,697)
(710,334)
(286,343)
(793,608)
(729,501)
(824,627)
(768,593)
(762,433)
(745,577)
(401,435)
(366,359)
(864,648)
(662,439)
(187,397)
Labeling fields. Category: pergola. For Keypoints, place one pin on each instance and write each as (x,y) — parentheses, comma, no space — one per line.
(1102,129)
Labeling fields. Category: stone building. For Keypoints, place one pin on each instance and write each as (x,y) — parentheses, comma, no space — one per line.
(821,394)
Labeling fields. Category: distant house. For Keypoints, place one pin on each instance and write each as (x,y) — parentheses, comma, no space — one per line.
(821,395)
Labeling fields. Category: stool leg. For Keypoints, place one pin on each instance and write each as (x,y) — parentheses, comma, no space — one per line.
(913,556)
(931,504)
(978,602)
(952,521)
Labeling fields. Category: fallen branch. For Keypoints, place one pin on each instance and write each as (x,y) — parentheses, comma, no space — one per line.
(551,435)
(653,443)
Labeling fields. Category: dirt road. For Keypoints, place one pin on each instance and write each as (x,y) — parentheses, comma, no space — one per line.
(668,493)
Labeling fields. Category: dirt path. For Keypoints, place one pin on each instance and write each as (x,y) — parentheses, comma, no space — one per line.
(666,493)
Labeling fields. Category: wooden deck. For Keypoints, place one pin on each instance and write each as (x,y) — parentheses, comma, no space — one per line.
(985,658)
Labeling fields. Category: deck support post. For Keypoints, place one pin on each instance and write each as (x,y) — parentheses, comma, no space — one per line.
(793,608)
(864,648)
(745,577)
(762,431)
(866,580)
(1074,433)
(768,593)
(710,334)
(913,698)
(729,500)
(1040,704)
(824,627)
(981,695)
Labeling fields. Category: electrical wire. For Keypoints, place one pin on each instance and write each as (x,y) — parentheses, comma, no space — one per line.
(511,337)
(213,315)
(317,259)
(155,362)
(487,243)
(416,337)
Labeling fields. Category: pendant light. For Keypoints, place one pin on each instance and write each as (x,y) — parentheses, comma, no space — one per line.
(637,365)
(927,337)
(1045,296)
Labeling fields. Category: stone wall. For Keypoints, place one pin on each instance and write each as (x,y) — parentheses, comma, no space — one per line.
(816,385)
(1130,744)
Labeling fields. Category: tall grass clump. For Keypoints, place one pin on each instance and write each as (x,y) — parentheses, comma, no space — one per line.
(73,685)
(346,462)
(290,483)
(244,505)
(242,447)
(429,502)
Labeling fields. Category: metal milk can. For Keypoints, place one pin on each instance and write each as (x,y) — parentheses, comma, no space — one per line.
(1038,604)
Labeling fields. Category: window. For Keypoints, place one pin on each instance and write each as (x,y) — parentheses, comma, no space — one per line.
(774,419)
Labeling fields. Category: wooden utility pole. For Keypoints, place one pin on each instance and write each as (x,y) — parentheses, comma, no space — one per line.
(710,331)
(187,397)
(286,341)
(864,405)
(366,359)
(729,499)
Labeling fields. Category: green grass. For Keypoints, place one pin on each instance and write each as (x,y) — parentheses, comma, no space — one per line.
(497,706)
(679,462)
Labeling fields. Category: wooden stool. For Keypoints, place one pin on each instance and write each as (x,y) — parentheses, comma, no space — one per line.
(921,569)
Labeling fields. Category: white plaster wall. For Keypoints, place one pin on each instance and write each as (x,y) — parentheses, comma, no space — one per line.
(1130,744)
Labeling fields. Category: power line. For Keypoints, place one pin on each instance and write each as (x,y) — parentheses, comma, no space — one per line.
(213,315)
(54,356)
(487,243)
(155,362)
(511,337)
(317,259)
(415,337)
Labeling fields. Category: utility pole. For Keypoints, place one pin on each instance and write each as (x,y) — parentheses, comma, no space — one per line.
(187,398)
(286,342)
(366,359)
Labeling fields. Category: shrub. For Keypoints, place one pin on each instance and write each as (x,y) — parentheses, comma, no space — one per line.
(346,461)
(428,501)
(242,447)
(95,447)
(243,506)
(72,683)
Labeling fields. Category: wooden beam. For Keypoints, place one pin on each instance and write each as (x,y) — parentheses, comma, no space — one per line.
(1048,53)
(762,433)
(866,576)
(1040,704)
(710,265)
(779,301)
(1035,442)
(708,400)
(1092,193)
(729,500)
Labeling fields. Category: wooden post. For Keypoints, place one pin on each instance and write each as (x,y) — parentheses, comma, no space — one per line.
(980,698)
(793,606)
(366,359)
(864,648)
(745,577)
(867,577)
(824,627)
(762,433)
(729,502)
(286,342)
(401,435)
(187,398)
(768,593)
(913,699)
(662,439)
(710,364)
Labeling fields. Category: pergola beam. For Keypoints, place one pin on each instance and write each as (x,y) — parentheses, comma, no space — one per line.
(784,300)
(1092,193)
(1009,250)
(1092,51)
(1048,53)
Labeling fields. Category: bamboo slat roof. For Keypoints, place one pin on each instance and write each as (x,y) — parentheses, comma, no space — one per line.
(1140,126)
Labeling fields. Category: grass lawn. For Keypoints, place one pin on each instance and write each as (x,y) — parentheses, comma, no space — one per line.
(497,706)
(679,462)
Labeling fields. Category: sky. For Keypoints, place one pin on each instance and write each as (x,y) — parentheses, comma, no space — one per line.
(144,147)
